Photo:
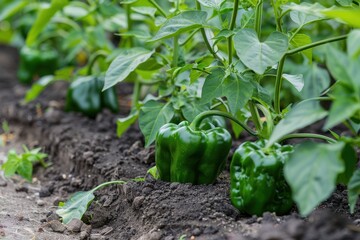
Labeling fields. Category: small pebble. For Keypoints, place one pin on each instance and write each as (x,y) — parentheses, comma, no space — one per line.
(40,203)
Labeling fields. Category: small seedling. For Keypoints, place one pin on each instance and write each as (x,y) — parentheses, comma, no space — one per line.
(78,203)
(22,164)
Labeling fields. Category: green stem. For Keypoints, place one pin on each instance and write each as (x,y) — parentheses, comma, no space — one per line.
(197,121)
(189,37)
(205,38)
(116,182)
(269,119)
(315,44)
(108,183)
(176,52)
(278,83)
(255,116)
(157,6)
(307,135)
(231,27)
(258,17)
(136,93)
(94,57)
(129,23)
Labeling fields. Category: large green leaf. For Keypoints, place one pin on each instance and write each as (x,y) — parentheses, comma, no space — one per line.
(312,171)
(45,13)
(346,92)
(353,46)
(238,91)
(126,62)
(76,206)
(300,116)
(354,190)
(183,22)
(25,169)
(347,15)
(316,80)
(193,108)
(153,115)
(302,18)
(213,85)
(256,55)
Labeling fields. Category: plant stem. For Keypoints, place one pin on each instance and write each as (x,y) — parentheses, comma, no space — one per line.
(258,17)
(176,52)
(307,135)
(315,44)
(255,116)
(189,37)
(206,40)
(94,57)
(157,6)
(197,121)
(278,82)
(136,93)
(116,182)
(129,23)
(231,27)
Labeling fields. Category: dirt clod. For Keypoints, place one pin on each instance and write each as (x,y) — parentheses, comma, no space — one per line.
(57,226)
(74,225)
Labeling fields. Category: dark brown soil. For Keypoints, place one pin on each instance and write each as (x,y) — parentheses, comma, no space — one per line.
(86,152)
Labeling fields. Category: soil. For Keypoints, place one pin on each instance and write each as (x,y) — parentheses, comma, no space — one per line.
(86,152)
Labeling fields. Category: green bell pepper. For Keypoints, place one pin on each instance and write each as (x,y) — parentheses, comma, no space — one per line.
(257,180)
(36,63)
(85,95)
(187,155)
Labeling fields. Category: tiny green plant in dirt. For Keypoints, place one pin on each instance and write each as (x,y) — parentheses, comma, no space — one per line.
(23,163)
(78,203)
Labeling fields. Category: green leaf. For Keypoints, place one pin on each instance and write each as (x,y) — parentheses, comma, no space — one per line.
(307,8)
(38,87)
(12,9)
(149,11)
(46,12)
(153,172)
(25,169)
(193,108)
(256,55)
(348,15)
(213,85)
(300,116)
(345,3)
(238,91)
(312,171)
(125,63)
(354,190)
(345,105)
(353,46)
(316,80)
(300,40)
(349,159)
(124,123)
(185,21)
(11,164)
(76,206)
(296,80)
(153,115)
(211,3)
(302,18)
